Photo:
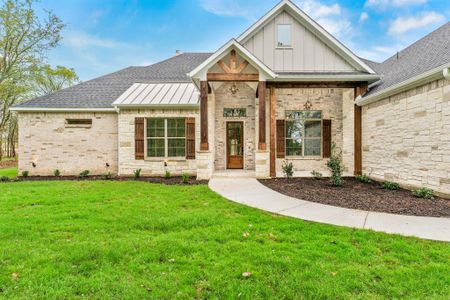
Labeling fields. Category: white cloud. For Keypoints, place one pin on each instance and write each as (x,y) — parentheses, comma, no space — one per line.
(379,53)
(405,24)
(383,4)
(229,8)
(83,40)
(363,17)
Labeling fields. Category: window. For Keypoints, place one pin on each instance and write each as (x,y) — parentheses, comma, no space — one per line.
(166,137)
(303,133)
(86,123)
(284,35)
(234,112)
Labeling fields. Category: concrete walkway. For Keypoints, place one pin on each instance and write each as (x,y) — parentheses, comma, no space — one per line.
(250,192)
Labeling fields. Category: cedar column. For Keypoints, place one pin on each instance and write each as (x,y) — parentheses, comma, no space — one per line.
(359,91)
(262,115)
(204,146)
(272,132)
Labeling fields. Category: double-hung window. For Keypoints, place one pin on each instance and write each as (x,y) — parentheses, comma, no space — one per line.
(166,137)
(284,35)
(303,133)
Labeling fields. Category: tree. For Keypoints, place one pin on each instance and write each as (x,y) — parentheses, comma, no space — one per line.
(48,80)
(25,39)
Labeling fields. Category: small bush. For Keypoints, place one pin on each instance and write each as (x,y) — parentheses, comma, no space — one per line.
(57,173)
(389,185)
(4,178)
(84,174)
(288,169)
(137,173)
(363,178)
(336,166)
(423,192)
(25,174)
(317,175)
(167,175)
(185,177)
(107,176)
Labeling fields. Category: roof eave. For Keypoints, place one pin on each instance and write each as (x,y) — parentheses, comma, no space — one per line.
(158,106)
(60,109)
(331,78)
(405,85)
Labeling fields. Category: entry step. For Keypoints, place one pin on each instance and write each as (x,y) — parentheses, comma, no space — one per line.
(234,174)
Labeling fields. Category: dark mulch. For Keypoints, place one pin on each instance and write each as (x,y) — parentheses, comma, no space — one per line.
(5,164)
(357,195)
(169,181)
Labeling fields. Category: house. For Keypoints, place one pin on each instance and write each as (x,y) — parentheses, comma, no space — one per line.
(285,89)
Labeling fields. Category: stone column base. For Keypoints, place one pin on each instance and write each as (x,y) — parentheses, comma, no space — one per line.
(205,165)
(262,164)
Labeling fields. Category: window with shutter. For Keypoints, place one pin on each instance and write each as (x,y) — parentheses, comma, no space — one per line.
(281,151)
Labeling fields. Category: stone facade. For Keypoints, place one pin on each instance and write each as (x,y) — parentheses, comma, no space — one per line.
(46,141)
(406,137)
(336,105)
(244,98)
(152,166)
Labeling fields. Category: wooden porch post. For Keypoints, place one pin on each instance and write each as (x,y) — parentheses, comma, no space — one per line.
(262,115)
(359,91)
(272,132)
(204,146)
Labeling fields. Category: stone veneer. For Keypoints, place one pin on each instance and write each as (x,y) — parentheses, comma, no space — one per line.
(153,166)
(337,105)
(406,137)
(46,141)
(244,98)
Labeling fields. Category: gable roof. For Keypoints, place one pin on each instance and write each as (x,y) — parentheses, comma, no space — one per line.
(101,92)
(223,51)
(428,56)
(312,26)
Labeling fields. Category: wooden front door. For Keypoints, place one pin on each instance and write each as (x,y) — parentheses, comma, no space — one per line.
(235,145)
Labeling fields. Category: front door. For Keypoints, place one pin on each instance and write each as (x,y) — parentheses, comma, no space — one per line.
(235,148)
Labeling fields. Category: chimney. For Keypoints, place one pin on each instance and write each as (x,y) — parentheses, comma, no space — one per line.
(178,52)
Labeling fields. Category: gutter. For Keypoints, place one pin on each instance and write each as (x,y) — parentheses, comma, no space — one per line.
(49,109)
(158,106)
(433,74)
(327,77)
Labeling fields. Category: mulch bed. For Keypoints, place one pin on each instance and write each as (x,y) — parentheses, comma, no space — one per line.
(5,164)
(357,195)
(162,180)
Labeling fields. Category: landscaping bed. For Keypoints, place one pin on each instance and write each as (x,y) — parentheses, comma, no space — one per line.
(4,164)
(357,195)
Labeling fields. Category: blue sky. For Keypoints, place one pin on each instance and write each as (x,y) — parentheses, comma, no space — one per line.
(103,36)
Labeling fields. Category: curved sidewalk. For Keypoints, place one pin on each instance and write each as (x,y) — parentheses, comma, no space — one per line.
(250,192)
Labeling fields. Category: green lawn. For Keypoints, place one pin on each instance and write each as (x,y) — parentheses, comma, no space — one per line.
(136,240)
(9,172)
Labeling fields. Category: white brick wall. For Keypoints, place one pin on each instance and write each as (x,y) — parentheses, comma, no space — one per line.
(406,137)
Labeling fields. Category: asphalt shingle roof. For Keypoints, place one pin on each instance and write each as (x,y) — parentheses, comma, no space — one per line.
(103,91)
(428,53)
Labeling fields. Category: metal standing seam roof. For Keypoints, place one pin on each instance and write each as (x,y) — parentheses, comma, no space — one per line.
(143,94)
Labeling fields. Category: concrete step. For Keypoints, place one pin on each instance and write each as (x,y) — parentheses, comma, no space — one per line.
(234,174)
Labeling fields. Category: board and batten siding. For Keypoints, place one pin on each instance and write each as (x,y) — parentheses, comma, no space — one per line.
(307,54)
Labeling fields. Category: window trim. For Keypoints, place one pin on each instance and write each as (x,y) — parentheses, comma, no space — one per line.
(277,45)
(165,138)
(78,123)
(303,136)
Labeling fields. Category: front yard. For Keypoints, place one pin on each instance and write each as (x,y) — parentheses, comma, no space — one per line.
(111,239)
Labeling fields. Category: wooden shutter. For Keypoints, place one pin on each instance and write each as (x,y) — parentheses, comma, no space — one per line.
(281,141)
(326,146)
(190,138)
(139,138)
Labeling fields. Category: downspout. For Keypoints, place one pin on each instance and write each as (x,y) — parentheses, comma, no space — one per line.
(446,73)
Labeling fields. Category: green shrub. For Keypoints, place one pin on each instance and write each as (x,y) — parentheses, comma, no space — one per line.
(167,175)
(4,178)
(317,175)
(107,176)
(336,166)
(363,178)
(185,177)
(84,174)
(288,169)
(57,173)
(137,173)
(423,192)
(389,185)
(25,174)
